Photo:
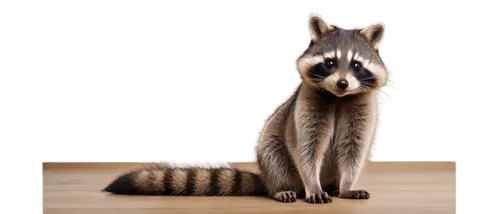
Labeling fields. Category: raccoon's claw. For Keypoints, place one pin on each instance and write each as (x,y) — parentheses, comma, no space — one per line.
(324,198)
(286,196)
(356,194)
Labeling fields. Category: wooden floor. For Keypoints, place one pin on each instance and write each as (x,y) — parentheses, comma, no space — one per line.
(402,188)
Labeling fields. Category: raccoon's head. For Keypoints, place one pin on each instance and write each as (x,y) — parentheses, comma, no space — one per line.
(344,62)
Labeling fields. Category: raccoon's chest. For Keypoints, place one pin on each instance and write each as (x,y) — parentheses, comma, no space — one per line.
(314,112)
(354,117)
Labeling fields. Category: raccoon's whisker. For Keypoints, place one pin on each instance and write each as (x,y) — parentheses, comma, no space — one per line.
(367,78)
(317,80)
(370,79)
(389,97)
(362,88)
(386,94)
(394,88)
(316,75)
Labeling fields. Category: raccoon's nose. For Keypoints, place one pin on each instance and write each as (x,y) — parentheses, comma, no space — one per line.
(343,84)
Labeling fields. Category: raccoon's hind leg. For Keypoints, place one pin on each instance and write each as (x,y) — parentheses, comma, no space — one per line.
(285,196)
(277,170)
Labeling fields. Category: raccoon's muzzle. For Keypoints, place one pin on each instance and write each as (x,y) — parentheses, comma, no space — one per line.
(187,182)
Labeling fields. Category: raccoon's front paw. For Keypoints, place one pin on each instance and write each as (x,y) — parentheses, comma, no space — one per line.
(355,194)
(323,198)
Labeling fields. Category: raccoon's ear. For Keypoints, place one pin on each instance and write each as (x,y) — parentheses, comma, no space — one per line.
(373,34)
(318,27)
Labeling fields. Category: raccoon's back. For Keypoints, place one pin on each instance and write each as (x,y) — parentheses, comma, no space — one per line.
(194,181)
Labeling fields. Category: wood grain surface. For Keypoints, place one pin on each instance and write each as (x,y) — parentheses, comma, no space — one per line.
(395,187)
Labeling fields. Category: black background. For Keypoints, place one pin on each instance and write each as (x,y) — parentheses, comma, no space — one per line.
(192,87)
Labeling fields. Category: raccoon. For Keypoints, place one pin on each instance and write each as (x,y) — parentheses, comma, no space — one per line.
(314,145)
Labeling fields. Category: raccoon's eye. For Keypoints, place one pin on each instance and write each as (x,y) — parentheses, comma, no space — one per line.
(330,63)
(356,66)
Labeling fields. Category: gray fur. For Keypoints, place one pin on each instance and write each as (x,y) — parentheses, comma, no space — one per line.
(317,142)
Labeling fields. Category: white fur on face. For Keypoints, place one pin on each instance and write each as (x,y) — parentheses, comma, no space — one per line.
(349,55)
(356,55)
(330,84)
(353,82)
(329,55)
(339,54)
(304,64)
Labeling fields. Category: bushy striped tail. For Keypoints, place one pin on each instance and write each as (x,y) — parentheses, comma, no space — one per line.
(194,181)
